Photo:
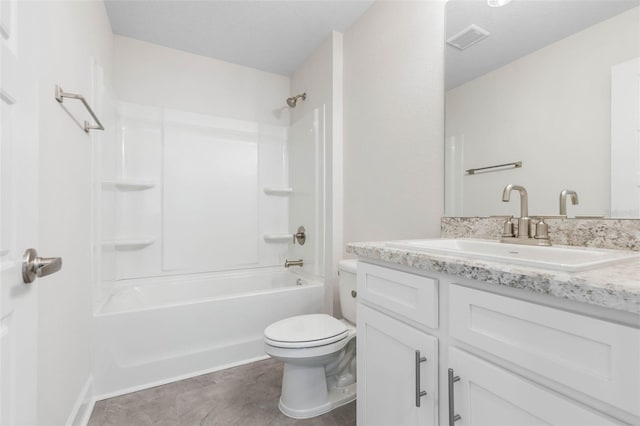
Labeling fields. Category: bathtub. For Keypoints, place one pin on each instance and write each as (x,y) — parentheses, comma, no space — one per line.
(151,332)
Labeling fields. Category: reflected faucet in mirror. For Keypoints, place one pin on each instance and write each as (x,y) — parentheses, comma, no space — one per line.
(563,200)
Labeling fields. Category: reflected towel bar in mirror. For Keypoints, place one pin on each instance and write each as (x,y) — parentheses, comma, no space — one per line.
(496,168)
(61,94)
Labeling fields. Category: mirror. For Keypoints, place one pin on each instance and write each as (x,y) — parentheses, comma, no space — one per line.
(551,85)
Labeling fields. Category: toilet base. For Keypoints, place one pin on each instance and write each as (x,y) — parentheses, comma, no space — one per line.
(335,397)
(318,379)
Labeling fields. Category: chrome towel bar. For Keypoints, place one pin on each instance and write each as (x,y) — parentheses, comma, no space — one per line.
(61,94)
(496,168)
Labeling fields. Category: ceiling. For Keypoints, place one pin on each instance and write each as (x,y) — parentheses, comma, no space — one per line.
(517,29)
(273,36)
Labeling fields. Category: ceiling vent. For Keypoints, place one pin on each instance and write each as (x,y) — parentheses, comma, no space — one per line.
(468,37)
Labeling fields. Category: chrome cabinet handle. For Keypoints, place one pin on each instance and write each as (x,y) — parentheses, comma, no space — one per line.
(34,266)
(419,393)
(453,417)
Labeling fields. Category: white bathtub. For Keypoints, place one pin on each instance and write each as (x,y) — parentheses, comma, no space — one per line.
(167,329)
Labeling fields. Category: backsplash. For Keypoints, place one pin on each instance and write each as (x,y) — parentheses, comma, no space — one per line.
(599,233)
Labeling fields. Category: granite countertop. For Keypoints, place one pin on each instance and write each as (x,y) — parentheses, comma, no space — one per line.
(615,287)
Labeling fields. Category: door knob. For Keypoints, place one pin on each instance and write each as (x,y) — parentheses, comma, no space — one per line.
(34,266)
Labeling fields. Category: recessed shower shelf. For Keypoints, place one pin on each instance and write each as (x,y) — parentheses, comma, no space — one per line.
(278,238)
(128,184)
(129,243)
(278,190)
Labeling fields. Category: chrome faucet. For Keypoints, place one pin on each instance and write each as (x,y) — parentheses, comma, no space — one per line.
(563,200)
(288,263)
(521,233)
(524,222)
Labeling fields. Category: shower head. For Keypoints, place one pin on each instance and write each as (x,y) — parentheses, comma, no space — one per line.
(294,100)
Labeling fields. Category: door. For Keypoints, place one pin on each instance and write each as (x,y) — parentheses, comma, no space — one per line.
(388,365)
(18,211)
(625,139)
(487,395)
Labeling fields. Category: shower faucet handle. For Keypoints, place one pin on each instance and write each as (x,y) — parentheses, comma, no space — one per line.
(300,236)
(289,263)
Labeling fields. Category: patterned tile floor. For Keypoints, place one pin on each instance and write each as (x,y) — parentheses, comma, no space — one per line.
(244,396)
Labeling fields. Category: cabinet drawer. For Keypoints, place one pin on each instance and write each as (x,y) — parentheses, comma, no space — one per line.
(412,296)
(595,357)
(487,395)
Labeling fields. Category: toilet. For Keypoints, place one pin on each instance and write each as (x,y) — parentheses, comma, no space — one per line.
(319,354)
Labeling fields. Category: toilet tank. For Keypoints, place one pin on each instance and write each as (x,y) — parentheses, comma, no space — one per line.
(347,283)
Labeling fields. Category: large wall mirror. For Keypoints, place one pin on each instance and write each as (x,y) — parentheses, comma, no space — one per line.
(543,94)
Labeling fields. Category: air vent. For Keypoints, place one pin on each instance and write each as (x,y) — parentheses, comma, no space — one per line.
(468,37)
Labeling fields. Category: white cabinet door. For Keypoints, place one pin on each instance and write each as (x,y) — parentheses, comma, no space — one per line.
(387,372)
(487,395)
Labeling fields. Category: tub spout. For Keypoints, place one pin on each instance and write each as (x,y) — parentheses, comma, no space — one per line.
(288,263)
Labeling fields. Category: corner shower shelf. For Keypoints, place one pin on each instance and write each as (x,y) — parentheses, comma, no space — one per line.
(129,184)
(278,238)
(129,243)
(278,190)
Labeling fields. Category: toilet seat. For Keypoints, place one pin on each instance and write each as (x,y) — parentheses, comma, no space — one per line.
(305,331)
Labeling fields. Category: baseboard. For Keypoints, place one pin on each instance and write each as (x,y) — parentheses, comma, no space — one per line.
(125,391)
(83,407)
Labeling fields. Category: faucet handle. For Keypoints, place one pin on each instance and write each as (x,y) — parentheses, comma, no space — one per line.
(507,228)
(542,230)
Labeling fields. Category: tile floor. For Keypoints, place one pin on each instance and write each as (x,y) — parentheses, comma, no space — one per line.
(244,396)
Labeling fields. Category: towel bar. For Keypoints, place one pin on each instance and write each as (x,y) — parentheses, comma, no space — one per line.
(61,94)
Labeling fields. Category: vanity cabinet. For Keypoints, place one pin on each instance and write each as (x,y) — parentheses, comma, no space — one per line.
(516,362)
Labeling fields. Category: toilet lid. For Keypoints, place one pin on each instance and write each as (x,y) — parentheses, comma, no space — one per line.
(305,331)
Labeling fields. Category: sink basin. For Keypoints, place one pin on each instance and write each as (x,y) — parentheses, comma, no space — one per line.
(570,259)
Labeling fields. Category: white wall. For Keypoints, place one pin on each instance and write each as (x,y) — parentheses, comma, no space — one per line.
(153,75)
(70,34)
(551,110)
(320,76)
(393,122)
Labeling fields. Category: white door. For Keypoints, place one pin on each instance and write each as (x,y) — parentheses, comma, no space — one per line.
(388,393)
(625,139)
(487,395)
(18,211)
